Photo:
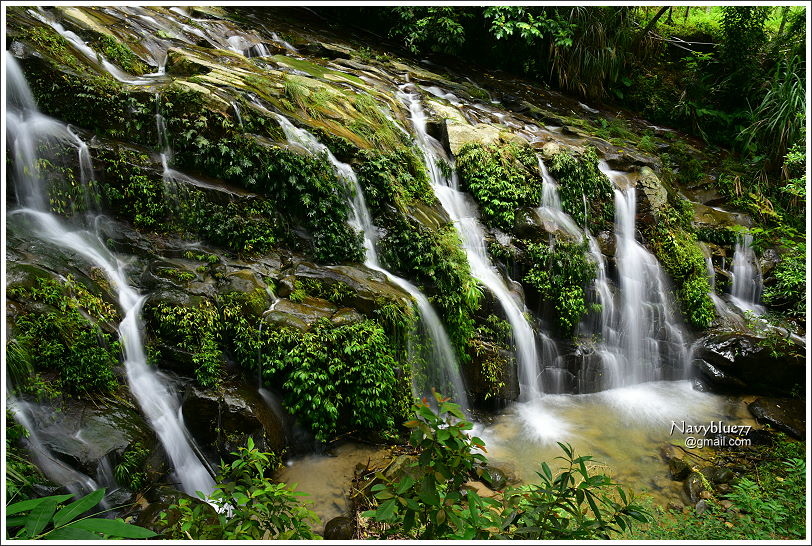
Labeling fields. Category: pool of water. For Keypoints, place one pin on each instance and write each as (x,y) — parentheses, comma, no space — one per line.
(623,429)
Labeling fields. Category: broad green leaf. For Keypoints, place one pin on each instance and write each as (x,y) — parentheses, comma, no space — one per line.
(71,533)
(78,507)
(39,517)
(428,492)
(112,527)
(26,505)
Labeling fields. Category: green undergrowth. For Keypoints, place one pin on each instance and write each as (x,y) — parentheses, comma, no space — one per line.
(435,260)
(561,273)
(501,179)
(303,186)
(62,329)
(768,503)
(119,54)
(333,378)
(586,193)
(672,239)
(396,178)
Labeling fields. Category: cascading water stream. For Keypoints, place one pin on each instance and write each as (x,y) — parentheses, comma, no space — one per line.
(462,210)
(641,338)
(746,289)
(444,372)
(28,129)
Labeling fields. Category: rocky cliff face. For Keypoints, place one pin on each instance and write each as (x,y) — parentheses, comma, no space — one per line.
(244,245)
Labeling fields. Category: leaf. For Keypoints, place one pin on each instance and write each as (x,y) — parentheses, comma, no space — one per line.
(112,527)
(39,517)
(24,506)
(78,507)
(72,533)
(428,492)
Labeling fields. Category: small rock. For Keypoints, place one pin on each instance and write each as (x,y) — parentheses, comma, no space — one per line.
(480,489)
(678,469)
(705,494)
(700,507)
(726,504)
(339,528)
(675,507)
(694,485)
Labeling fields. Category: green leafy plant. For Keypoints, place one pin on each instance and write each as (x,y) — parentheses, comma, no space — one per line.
(50,518)
(248,505)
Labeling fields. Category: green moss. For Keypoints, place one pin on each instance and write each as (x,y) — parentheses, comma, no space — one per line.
(678,252)
(336,292)
(501,179)
(586,193)
(61,330)
(491,349)
(120,54)
(561,274)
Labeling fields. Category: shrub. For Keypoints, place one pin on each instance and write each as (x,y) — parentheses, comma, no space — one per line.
(249,505)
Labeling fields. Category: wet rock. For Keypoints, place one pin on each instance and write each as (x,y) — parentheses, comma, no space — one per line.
(300,315)
(628,160)
(750,360)
(701,507)
(606,243)
(550,149)
(717,474)
(678,469)
(490,378)
(652,196)
(340,528)
(693,486)
(345,316)
(325,50)
(497,477)
(369,288)
(785,414)
(431,217)
(181,63)
(221,420)
(768,260)
(714,379)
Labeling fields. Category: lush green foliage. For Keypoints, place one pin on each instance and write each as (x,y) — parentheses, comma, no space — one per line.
(397,178)
(768,503)
(119,54)
(561,273)
(62,331)
(129,471)
(501,179)
(334,378)
(423,499)
(193,329)
(436,261)
(303,186)
(789,289)
(50,518)
(249,506)
(21,475)
(586,193)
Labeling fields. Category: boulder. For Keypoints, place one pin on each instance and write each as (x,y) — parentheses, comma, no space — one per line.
(339,528)
(715,380)
(222,419)
(300,315)
(749,364)
(785,414)
(652,196)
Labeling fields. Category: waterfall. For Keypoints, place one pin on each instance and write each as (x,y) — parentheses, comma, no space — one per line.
(444,371)
(463,211)
(28,128)
(641,339)
(550,209)
(746,289)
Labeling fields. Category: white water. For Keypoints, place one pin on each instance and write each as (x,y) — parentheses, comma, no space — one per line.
(550,209)
(462,210)
(444,372)
(746,289)
(641,338)
(155,398)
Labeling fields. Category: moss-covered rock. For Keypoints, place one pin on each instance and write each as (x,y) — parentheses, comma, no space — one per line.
(586,193)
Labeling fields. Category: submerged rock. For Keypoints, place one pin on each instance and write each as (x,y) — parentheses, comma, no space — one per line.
(340,528)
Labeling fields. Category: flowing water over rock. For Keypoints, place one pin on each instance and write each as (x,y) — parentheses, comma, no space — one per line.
(746,289)
(443,370)
(462,210)
(152,392)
